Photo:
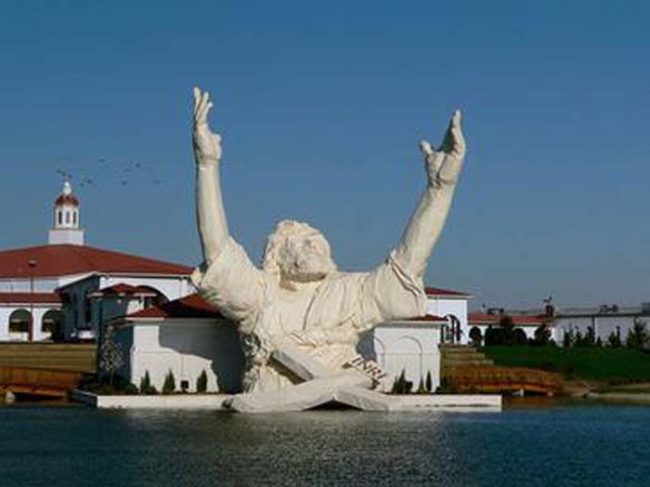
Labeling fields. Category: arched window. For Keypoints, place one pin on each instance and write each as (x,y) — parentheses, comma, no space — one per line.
(74,217)
(67,217)
(59,217)
(52,323)
(156,300)
(19,321)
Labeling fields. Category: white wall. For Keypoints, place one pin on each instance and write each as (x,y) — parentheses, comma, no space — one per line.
(187,348)
(38,333)
(441,306)
(405,346)
(603,325)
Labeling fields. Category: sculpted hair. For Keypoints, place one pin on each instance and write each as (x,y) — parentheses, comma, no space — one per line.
(271,262)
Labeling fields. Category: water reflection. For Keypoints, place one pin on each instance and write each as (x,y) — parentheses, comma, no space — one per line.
(558,446)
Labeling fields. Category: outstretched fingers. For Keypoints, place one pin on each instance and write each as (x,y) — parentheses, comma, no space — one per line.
(426,148)
(457,132)
(202,106)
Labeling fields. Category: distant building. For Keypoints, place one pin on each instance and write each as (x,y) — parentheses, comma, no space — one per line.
(480,322)
(598,322)
(65,289)
(601,322)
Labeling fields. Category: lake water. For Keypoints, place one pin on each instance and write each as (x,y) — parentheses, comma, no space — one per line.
(568,445)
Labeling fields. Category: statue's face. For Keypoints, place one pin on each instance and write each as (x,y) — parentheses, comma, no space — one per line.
(306,257)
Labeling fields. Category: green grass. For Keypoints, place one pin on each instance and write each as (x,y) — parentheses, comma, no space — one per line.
(601,364)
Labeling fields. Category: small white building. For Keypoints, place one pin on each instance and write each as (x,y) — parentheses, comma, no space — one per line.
(601,322)
(189,336)
(451,305)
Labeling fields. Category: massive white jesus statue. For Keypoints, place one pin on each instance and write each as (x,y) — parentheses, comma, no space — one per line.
(299,298)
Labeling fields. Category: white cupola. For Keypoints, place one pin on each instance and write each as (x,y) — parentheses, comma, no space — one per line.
(66,219)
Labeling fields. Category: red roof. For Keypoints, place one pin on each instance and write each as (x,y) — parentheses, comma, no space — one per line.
(437,291)
(122,289)
(518,320)
(63,260)
(428,318)
(66,199)
(26,298)
(192,306)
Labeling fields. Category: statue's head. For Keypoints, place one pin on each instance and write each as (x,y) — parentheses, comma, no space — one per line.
(298,252)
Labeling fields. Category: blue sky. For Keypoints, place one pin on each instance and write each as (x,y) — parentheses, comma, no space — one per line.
(321,106)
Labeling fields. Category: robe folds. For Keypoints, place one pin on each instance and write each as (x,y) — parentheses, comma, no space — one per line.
(325,320)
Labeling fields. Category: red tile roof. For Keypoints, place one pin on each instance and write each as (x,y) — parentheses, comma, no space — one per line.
(66,199)
(428,318)
(62,260)
(124,289)
(437,291)
(26,298)
(192,306)
(518,320)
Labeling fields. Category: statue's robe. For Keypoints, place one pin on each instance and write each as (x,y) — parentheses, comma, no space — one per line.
(332,315)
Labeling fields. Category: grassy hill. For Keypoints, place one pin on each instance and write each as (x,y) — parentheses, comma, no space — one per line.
(600,364)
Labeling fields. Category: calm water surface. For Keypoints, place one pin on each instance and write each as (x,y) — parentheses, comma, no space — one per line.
(569,445)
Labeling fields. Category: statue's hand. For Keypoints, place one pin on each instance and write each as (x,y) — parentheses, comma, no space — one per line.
(443,165)
(207,146)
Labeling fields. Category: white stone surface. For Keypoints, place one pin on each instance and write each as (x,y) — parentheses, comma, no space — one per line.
(407,404)
(186,347)
(299,297)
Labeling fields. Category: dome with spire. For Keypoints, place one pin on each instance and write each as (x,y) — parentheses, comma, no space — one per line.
(66,198)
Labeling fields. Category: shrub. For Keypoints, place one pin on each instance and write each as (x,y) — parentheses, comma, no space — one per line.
(401,385)
(476,336)
(637,337)
(542,335)
(519,337)
(202,382)
(421,388)
(429,383)
(614,340)
(145,383)
(169,386)
(568,339)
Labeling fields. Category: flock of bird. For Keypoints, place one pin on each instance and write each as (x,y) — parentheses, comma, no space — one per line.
(119,172)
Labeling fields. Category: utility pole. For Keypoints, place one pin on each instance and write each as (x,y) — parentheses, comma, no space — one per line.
(31,263)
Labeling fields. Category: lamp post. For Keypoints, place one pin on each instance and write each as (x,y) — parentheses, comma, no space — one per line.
(31,263)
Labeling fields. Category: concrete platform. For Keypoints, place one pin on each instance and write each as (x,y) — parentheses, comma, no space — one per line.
(216,402)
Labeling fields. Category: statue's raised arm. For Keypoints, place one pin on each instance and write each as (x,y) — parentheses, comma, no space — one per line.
(443,167)
(227,277)
(213,227)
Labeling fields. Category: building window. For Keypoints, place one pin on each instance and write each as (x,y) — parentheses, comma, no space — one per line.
(74,218)
(67,217)
(59,217)
(19,321)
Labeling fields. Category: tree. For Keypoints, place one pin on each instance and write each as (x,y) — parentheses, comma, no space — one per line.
(542,335)
(568,339)
(519,337)
(614,340)
(638,336)
(429,383)
(508,327)
(145,385)
(202,382)
(401,385)
(169,386)
(476,336)
(110,355)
